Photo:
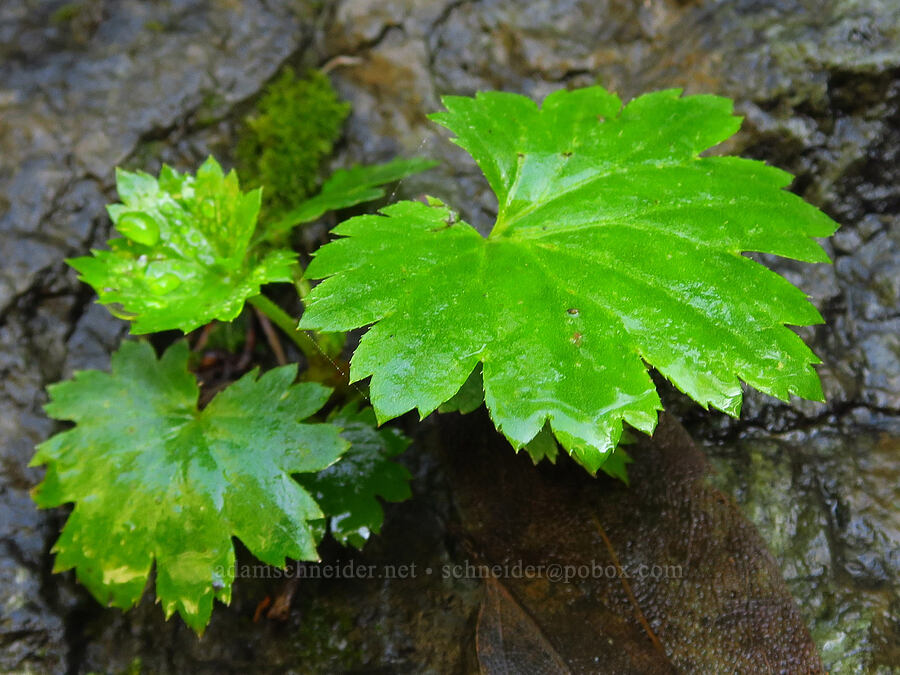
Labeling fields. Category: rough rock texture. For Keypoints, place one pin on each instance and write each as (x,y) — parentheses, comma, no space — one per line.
(88,84)
(824,500)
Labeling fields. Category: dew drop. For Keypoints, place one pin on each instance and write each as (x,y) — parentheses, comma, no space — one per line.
(208,209)
(164,284)
(138,227)
(162,278)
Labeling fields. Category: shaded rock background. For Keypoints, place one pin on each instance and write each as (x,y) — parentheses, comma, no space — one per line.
(90,84)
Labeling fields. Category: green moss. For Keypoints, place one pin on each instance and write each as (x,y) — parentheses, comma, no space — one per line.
(329,639)
(66,13)
(135,667)
(284,143)
(212,108)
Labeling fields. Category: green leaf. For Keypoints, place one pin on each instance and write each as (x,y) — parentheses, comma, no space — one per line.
(348,490)
(155,479)
(469,397)
(542,446)
(349,187)
(184,260)
(616,246)
(617,463)
(545,446)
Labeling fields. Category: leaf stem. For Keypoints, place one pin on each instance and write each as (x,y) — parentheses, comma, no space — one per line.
(287,324)
(301,283)
(329,344)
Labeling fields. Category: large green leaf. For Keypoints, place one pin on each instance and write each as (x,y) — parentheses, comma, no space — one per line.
(348,490)
(616,246)
(155,479)
(184,260)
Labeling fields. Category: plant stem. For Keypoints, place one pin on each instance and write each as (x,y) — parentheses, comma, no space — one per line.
(331,344)
(301,283)
(281,319)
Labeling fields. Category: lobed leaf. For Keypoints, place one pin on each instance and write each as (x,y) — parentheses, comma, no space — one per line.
(616,247)
(185,258)
(154,479)
(348,490)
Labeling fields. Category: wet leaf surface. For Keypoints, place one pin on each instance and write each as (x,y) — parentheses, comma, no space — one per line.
(69,119)
(346,188)
(185,258)
(616,246)
(349,490)
(663,576)
(155,481)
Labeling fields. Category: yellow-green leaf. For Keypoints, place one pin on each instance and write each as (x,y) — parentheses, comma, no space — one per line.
(156,480)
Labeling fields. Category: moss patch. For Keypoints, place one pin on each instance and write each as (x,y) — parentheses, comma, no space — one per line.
(285,141)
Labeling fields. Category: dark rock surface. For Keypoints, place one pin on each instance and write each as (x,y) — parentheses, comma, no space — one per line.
(89,84)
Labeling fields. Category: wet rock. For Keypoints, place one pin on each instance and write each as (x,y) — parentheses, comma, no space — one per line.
(31,633)
(76,113)
(825,501)
(818,84)
(95,335)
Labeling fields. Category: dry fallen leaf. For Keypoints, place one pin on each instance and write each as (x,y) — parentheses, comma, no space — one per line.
(663,576)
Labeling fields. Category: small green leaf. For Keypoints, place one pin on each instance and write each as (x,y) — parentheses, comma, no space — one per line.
(349,187)
(469,397)
(155,479)
(348,490)
(616,247)
(542,446)
(617,463)
(138,227)
(185,259)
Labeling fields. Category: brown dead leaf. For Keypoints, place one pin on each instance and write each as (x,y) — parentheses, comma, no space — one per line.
(660,577)
(508,639)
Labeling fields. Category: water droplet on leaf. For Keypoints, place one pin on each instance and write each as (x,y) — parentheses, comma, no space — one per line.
(163,277)
(164,284)
(138,227)
(208,208)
